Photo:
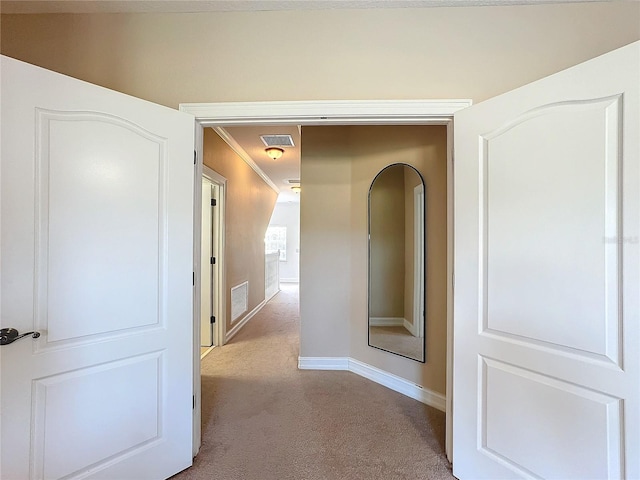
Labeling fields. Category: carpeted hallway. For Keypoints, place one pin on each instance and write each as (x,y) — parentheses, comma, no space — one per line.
(264,419)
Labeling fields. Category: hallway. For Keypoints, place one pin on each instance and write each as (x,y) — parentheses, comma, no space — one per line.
(264,419)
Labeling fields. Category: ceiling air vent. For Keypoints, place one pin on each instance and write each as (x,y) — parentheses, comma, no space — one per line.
(293,181)
(277,140)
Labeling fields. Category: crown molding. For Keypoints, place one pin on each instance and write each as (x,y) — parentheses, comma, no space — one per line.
(235,146)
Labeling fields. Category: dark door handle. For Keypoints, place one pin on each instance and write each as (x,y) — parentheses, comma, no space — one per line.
(10,335)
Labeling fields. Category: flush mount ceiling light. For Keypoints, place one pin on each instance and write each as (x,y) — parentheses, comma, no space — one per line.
(296,189)
(274,152)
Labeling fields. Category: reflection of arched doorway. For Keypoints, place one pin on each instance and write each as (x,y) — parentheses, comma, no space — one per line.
(418,260)
(396,239)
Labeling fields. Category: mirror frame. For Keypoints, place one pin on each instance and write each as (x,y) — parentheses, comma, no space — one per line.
(424,263)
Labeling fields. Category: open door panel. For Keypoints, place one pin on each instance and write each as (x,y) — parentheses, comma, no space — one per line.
(547,327)
(97,256)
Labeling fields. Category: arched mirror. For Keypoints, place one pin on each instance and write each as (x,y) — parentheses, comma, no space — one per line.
(397,262)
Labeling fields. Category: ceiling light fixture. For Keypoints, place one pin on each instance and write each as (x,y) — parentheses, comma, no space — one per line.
(274,152)
(296,189)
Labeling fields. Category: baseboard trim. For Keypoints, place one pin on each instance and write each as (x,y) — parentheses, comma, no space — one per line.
(398,384)
(389,380)
(323,363)
(206,352)
(387,321)
(241,323)
(266,300)
(410,327)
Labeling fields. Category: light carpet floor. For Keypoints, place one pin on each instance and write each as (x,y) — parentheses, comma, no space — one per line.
(264,419)
(398,340)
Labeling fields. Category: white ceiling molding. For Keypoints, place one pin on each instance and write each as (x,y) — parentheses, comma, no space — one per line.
(193,6)
(235,146)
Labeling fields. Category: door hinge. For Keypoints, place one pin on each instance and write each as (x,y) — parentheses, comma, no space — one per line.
(194,402)
(213,202)
(213,260)
(213,319)
(194,279)
(195,157)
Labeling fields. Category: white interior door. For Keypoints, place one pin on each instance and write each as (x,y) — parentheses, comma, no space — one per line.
(206,272)
(97,242)
(546,345)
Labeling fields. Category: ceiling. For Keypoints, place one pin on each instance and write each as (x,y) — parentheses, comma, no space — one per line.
(247,143)
(185,6)
(246,140)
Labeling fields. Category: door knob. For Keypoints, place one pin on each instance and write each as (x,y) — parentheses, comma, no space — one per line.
(10,335)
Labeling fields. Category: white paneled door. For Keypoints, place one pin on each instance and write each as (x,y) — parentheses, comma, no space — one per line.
(97,241)
(547,335)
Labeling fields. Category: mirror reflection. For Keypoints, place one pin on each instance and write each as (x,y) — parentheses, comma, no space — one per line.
(397,262)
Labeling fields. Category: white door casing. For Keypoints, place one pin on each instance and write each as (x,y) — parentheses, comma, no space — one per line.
(546,314)
(211,279)
(97,255)
(206,277)
(350,112)
(217,282)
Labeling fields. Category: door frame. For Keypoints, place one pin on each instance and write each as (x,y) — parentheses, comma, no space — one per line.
(342,112)
(419,247)
(220,309)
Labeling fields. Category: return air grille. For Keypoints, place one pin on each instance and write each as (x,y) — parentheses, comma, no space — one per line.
(239,300)
(277,140)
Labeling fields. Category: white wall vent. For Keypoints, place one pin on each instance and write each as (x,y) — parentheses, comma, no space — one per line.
(277,140)
(239,300)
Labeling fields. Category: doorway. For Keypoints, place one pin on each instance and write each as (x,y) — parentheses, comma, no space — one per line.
(211,260)
(344,113)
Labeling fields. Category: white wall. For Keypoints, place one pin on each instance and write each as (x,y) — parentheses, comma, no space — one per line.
(287,214)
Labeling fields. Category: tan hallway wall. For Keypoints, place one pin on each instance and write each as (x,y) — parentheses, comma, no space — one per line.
(325,236)
(249,204)
(338,166)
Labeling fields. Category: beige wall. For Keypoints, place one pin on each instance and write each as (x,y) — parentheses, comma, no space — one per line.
(338,166)
(460,52)
(248,208)
(325,241)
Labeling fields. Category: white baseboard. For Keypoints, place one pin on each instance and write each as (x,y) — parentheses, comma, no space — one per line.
(206,352)
(410,327)
(389,380)
(323,363)
(400,385)
(241,323)
(387,322)
(272,295)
